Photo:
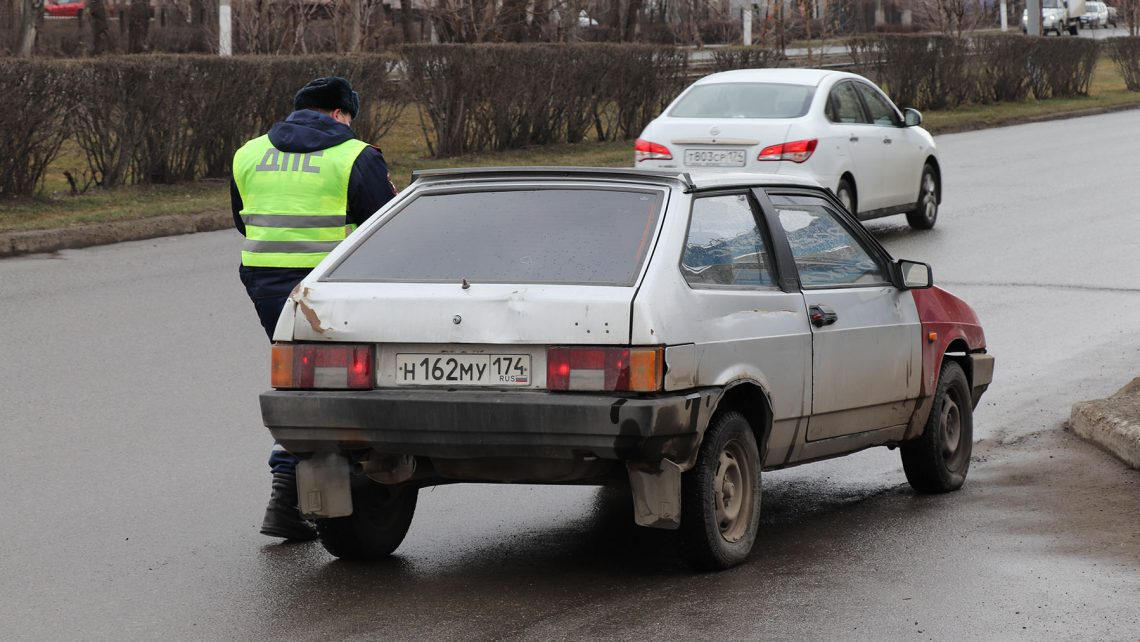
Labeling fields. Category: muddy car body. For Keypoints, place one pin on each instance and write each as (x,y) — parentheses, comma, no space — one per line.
(601,326)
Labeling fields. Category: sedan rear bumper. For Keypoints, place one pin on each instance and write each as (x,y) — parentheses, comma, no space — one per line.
(471,424)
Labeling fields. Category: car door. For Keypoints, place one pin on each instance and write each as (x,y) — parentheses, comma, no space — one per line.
(866,353)
(851,127)
(745,322)
(900,152)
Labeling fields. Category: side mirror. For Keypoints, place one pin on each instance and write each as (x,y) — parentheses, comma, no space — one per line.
(912,117)
(914,275)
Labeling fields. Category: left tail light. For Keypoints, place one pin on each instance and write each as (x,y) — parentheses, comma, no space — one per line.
(796,151)
(648,150)
(333,366)
(605,369)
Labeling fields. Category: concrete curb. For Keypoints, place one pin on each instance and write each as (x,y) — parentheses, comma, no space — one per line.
(37,241)
(1038,118)
(1113,423)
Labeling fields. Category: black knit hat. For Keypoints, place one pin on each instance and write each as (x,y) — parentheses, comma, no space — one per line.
(332,92)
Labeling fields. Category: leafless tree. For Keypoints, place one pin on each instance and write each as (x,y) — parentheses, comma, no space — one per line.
(100,27)
(951,17)
(31,17)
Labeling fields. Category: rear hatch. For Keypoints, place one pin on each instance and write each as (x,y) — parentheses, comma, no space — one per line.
(501,270)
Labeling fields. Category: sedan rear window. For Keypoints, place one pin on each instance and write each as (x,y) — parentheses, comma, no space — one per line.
(745,100)
(586,236)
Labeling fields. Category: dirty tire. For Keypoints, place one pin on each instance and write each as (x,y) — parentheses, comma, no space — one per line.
(846,195)
(379,520)
(1074,30)
(925,212)
(720,496)
(937,462)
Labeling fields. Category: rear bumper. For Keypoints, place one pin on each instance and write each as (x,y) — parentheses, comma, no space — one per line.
(472,424)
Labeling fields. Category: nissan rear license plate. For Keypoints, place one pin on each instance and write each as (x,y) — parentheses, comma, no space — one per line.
(714,157)
(421,369)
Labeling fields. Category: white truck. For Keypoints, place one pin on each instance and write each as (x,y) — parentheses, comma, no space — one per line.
(1057,16)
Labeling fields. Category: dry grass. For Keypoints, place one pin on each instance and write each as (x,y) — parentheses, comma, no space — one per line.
(405,151)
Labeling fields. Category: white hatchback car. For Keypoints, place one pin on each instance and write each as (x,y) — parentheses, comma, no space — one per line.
(673,334)
(834,127)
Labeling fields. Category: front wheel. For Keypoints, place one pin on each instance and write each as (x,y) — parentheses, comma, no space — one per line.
(937,462)
(925,211)
(720,496)
(379,521)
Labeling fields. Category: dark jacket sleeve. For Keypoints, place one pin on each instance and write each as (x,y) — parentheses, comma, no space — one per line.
(236,205)
(369,185)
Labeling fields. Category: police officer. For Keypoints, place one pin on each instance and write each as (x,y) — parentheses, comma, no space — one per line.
(295,193)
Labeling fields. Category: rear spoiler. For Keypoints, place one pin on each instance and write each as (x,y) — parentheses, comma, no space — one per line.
(490,173)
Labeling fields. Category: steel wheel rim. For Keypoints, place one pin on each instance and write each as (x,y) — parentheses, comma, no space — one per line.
(733,492)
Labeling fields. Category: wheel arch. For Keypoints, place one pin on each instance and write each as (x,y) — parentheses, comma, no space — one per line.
(850,178)
(751,399)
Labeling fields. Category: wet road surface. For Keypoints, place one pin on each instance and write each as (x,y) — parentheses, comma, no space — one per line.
(133,479)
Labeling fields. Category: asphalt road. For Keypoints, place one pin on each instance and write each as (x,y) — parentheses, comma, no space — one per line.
(133,476)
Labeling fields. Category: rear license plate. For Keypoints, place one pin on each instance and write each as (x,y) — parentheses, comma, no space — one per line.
(714,157)
(422,369)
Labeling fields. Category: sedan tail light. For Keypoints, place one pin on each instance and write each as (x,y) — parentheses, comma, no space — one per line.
(796,151)
(607,369)
(333,366)
(646,150)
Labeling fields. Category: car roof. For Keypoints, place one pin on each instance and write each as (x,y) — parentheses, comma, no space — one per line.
(791,76)
(690,181)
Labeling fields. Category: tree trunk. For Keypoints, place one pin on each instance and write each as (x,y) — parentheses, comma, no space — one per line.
(31,15)
(540,20)
(406,17)
(632,13)
(356,26)
(100,27)
(510,23)
(139,13)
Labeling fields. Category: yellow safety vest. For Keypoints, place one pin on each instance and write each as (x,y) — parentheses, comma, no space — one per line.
(294,204)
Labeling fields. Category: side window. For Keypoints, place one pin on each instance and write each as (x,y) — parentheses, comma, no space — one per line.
(882,112)
(825,253)
(724,246)
(843,105)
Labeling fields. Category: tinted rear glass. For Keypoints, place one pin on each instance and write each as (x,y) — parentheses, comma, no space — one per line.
(745,100)
(590,236)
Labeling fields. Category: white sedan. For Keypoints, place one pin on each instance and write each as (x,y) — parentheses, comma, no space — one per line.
(834,127)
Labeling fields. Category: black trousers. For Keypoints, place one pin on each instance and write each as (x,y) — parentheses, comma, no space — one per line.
(269,289)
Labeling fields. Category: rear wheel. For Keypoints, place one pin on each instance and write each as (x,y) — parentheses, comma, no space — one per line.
(937,462)
(925,212)
(846,195)
(379,521)
(720,496)
(1073,30)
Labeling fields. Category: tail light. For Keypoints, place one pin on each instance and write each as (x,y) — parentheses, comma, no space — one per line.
(796,151)
(645,150)
(334,366)
(608,369)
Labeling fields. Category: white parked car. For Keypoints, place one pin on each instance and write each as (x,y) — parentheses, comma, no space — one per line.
(834,127)
(669,334)
(1096,15)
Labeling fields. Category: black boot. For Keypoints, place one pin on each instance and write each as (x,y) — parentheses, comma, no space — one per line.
(282,519)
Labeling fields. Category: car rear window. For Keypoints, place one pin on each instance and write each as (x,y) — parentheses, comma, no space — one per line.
(587,236)
(745,100)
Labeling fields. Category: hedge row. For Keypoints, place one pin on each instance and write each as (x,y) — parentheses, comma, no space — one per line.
(938,72)
(166,118)
(1125,52)
(495,97)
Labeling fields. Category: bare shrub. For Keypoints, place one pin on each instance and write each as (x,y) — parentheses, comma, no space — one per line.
(1125,52)
(35,102)
(917,71)
(1003,67)
(1062,66)
(727,58)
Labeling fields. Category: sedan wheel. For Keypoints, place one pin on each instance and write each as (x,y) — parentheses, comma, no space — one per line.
(925,212)
(720,496)
(846,195)
(937,462)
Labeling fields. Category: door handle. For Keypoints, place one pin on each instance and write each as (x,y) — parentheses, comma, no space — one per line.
(822,315)
(886,141)
(854,138)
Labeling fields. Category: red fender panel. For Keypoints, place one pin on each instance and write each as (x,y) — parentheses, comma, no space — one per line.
(951,318)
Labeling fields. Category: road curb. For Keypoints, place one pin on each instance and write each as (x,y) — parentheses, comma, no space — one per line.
(1113,423)
(1037,118)
(39,241)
